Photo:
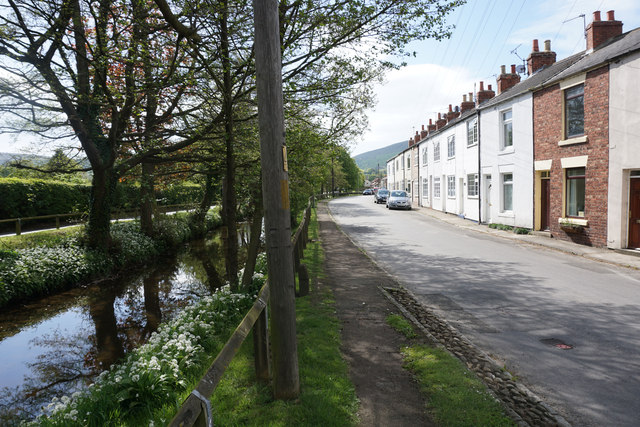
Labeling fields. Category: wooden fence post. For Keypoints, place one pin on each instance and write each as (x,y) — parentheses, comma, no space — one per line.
(261,347)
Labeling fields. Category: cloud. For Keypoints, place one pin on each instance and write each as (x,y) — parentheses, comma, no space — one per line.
(411,96)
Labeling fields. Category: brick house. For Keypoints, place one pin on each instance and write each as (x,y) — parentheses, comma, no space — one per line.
(571,126)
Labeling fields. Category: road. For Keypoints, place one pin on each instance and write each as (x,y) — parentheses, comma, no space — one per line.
(513,300)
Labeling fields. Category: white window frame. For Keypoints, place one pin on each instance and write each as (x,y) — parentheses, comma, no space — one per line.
(425,187)
(451,186)
(436,151)
(504,184)
(425,153)
(503,133)
(472,185)
(436,187)
(472,132)
(451,146)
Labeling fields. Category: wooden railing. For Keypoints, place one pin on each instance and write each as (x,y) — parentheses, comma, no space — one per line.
(44,223)
(196,409)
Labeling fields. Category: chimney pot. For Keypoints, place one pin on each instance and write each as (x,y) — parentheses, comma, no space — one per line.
(439,116)
(513,68)
(422,127)
(430,122)
(610,16)
(596,15)
(547,45)
(464,98)
(481,85)
(489,87)
(535,45)
(502,69)
(450,110)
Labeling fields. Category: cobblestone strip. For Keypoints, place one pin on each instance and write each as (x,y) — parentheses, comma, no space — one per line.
(523,406)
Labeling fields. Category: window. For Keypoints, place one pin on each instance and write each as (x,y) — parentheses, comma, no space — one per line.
(507,192)
(472,132)
(409,162)
(574,111)
(451,186)
(425,187)
(575,192)
(472,185)
(424,155)
(507,129)
(436,151)
(436,187)
(451,146)
(398,165)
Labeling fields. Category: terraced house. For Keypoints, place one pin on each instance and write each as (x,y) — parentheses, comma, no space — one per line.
(557,151)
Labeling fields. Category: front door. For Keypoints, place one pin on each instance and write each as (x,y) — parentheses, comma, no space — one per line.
(545,203)
(487,199)
(634,213)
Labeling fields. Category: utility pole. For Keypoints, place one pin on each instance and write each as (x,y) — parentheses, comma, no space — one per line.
(275,191)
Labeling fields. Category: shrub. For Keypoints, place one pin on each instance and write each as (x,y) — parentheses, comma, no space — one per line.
(520,230)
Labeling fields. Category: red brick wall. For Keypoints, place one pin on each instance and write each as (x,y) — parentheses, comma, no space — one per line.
(547,131)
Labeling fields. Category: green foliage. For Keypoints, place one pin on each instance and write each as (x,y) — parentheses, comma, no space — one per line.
(155,378)
(456,396)
(35,197)
(402,325)
(520,230)
(501,227)
(46,262)
(23,198)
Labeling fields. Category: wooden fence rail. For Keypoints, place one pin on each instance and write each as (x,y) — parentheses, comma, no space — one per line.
(115,215)
(196,409)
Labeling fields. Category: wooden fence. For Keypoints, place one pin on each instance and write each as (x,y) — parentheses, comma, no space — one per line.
(46,221)
(196,409)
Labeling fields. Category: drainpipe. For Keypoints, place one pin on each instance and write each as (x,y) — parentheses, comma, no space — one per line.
(479,173)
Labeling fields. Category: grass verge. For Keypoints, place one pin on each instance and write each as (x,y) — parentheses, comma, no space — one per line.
(327,396)
(455,395)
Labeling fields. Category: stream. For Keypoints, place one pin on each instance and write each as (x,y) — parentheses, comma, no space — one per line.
(57,345)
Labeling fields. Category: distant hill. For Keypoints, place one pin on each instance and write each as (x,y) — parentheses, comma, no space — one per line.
(7,157)
(371,159)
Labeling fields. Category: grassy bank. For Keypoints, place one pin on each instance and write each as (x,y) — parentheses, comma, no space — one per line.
(327,396)
(456,397)
(46,262)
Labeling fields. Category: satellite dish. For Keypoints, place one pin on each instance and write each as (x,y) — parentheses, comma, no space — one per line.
(520,69)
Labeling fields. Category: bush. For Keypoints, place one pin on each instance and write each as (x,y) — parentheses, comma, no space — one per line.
(501,227)
(520,230)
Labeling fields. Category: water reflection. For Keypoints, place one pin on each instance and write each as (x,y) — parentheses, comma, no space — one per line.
(57,345)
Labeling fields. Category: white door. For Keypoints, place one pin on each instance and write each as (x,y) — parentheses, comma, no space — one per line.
(487,199)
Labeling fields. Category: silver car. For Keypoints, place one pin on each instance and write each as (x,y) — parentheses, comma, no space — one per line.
(399,199)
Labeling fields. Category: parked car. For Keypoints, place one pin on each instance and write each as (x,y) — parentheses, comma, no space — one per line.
(399,199)
(367,192)
(381,196)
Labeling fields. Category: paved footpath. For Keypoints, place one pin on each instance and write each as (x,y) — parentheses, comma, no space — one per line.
(387,393)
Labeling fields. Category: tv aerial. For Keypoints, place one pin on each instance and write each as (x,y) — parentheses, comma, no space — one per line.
(520,69)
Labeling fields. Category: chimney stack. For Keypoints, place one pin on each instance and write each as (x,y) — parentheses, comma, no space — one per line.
(506,81)
(483,94)
(538,60)
(411,142)
(423,133)
(431,127)
(452,114)
(441,122)
(466,105)
(599,31)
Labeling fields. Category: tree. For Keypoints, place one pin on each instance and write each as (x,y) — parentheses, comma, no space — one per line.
(76,65)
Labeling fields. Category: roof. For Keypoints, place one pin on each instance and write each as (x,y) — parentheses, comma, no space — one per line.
(538,78)
(618,46)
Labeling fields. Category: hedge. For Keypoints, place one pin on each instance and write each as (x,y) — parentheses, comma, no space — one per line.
(22,198)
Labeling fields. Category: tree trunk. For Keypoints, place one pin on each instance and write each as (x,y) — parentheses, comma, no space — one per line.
(229,201)
(102,189)
(254,244)
(147,198)
(203,208)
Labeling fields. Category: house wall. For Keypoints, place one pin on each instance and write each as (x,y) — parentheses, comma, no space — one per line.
(425,158)
(517,160)
(624,155)
(391,176)
(469,166)
(548,132)
(415,181)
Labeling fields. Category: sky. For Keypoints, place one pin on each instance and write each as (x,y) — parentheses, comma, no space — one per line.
(488,34)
